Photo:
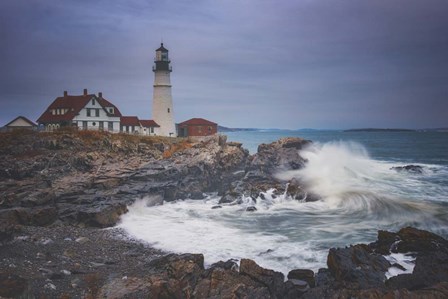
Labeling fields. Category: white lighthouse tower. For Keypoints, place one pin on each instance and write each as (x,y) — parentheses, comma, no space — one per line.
(162,102)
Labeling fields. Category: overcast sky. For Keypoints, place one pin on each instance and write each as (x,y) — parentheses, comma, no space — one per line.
(241,63)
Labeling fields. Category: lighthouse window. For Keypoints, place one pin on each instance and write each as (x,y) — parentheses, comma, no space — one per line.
(164,56)
(168,110)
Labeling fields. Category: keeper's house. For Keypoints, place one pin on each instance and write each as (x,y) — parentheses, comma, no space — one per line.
(92,112)
(197,127)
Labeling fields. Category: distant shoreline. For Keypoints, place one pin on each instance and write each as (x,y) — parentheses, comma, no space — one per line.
(379,130)
(222,129)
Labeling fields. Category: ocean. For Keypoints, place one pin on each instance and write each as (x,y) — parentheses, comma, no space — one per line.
(351,171)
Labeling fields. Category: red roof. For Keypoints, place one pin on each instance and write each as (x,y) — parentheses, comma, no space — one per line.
(105,103)
(197,122)
(74,104)
(147,123)
(129,121)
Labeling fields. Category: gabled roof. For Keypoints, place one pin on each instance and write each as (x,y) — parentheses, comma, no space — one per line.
(24,119)
(148,123)
(74,104)
(129,121)
(162,48)
(105,103)
(197,122)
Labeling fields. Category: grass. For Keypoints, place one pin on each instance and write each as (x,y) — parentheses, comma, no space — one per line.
(177,147)
(18,138)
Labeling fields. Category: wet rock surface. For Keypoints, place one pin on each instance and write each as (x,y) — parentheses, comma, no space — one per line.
(260,171)
(409,168)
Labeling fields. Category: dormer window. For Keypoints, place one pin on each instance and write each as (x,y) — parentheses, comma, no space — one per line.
(111,110)
(93,102)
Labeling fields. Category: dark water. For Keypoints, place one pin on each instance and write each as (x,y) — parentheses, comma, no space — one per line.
(408,147)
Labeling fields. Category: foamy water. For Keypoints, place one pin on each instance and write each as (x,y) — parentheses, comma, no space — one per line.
(359,196)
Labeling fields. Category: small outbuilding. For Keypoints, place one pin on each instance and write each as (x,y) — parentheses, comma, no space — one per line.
(130,124)
(197,127)
(149,127)
(20,122)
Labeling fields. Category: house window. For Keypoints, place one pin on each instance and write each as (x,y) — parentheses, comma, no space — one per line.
(101,125)
(110,126)
(111,110)
(94,124)
(97,112)
(168,110)
(209,129)
(93,102)
(84,125)
(88,112)
(151,130)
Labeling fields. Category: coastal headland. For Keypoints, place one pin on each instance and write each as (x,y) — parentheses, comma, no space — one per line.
(62,193)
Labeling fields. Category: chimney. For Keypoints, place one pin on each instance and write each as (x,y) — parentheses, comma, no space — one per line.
(85,91)
(100,95)
(65,93)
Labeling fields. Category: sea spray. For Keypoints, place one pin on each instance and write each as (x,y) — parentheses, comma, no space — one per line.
(359,196)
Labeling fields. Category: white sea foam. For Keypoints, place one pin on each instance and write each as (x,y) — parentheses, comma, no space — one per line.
(407,261)
(359,196)
(192,226)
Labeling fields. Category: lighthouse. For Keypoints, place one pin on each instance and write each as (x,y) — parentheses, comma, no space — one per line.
(162,102)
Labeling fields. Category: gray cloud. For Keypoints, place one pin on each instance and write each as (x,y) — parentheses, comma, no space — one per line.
(289,64)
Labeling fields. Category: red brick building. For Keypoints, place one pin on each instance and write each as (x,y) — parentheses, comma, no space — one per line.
(197,127)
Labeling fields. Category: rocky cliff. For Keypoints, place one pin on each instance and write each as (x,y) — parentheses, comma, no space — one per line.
(58,189)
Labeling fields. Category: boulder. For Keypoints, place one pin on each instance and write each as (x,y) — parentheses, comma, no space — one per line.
(357,267)
(222,280)
(102,215)
(273,280)
(408,168)
(303,274)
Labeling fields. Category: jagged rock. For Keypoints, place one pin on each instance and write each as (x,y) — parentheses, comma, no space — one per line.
(271,279)
(222,280)
(303,274)
(357,267)
(251,209)
(104,215)
(261,168)
(38,199)
(409,168)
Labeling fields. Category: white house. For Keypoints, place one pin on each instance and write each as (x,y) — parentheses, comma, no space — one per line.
(87,111)
(92,112)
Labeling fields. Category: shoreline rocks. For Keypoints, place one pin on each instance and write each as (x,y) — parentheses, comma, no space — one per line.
(77,262)
(57,191)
